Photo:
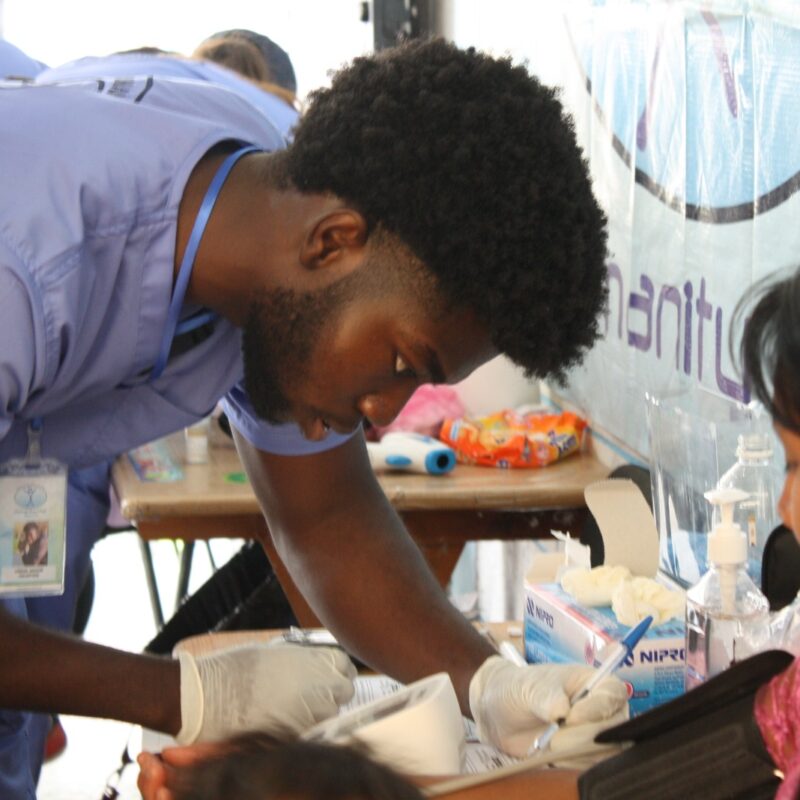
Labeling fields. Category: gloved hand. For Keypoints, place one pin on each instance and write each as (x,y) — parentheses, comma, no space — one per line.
(261,686)
(512,705)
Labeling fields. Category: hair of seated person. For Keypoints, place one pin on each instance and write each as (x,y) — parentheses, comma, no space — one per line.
(770,346)
(261,766)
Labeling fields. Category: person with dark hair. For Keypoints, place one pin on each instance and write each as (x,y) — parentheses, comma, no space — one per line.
(760,725)
(279,69)
(487,166)
(261,766)
(770,350)
(770,356)
(242,56)
(168,249)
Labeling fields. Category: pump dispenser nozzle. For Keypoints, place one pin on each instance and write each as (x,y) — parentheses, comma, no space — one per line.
(727,542)
(726,499)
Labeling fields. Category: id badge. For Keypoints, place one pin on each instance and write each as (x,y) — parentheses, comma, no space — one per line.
(33,503)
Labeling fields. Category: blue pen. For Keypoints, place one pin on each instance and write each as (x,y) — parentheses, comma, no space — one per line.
(613,658)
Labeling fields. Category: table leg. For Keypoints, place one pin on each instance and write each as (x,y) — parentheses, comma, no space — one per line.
(152,586)
(184,572)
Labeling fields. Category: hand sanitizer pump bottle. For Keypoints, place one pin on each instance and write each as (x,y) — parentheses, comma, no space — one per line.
(724,602)
(757,515)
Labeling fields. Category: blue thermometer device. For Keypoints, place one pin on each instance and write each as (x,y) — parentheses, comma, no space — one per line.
(411,452)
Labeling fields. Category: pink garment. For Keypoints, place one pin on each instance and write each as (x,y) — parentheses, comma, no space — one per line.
(777,712)
(425,411)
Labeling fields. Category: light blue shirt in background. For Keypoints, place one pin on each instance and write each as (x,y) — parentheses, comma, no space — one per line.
(126,65)
(16,64)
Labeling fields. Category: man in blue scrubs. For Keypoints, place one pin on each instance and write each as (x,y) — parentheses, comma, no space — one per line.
(88,488)
(429,214)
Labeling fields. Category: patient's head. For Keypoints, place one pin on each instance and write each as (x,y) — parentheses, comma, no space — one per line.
(770,354)
(259,766)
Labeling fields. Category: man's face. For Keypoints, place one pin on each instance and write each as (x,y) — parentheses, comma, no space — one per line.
(789,503)
(327,358)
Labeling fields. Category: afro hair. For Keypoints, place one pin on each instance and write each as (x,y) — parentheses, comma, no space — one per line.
(473,164)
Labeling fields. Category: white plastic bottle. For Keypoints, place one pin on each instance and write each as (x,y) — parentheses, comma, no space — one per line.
(725,602)
(757,515)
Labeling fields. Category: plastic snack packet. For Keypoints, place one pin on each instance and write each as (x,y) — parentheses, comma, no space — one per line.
(509,439)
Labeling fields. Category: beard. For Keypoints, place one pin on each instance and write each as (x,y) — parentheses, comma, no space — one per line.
(279,337)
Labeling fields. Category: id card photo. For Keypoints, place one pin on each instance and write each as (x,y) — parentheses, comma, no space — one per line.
(32,525)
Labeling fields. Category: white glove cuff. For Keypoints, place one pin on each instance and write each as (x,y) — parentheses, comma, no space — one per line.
(478,684)
(191,700)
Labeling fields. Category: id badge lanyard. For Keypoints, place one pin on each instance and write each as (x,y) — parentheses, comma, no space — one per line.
(174,326)
(33,490)
(33,503)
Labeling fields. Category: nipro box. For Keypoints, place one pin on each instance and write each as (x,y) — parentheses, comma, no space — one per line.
(557,630)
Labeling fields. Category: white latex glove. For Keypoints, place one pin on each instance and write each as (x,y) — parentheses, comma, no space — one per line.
(512,705)
(639,597)
(258,686)
(594,587)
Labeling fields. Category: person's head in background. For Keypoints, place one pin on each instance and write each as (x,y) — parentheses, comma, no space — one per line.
(239,55)
(473,205)
(770,356)
(258,766)
(253,55)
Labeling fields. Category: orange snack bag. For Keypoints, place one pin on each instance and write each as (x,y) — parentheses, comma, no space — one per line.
(507,439)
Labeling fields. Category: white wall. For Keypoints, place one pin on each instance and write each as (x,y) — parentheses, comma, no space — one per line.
(319,35)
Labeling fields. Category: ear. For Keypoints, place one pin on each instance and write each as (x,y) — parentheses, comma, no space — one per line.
(334,239)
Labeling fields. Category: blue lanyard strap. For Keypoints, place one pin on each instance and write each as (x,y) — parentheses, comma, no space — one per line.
(197,320)
(189,255)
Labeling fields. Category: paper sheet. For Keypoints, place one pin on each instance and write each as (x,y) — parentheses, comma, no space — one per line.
(369,688)
(478,757)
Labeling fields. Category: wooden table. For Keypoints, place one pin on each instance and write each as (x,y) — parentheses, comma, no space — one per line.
(442,513)
(205,643)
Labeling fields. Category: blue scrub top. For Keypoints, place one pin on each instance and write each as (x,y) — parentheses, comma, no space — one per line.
(93,174)
(123,65)
(16,64)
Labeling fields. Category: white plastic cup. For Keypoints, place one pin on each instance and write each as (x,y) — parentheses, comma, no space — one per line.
(197,442)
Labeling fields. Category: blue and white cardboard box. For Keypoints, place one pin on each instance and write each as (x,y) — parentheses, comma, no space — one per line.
(558,629)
